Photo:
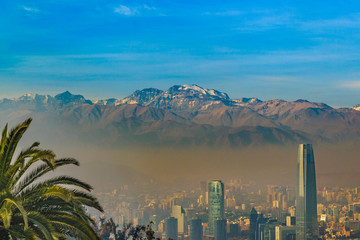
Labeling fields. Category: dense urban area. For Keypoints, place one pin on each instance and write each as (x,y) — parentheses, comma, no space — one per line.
(338,210)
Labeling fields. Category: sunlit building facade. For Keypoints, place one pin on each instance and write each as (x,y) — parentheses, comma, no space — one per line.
(306,202)
(179,213)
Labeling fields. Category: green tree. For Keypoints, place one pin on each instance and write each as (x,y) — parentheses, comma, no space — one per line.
(33,207)
(128,231)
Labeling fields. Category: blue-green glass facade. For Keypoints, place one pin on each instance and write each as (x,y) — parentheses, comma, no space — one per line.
(220,229)
(171,228)
(195,229)
(306,202)
(216,204)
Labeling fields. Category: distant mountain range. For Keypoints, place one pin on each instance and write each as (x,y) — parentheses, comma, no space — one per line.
(186,115)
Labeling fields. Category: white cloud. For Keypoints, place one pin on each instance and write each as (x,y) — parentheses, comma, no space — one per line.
(147,7)
(137,10)
(124,10)
(29,9)
(348,22)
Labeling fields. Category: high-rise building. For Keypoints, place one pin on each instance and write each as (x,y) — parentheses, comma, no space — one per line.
(260,224)
(354,207)
(179,213)
(269,229)
(285,233)
(195,229)
(306,203)
(216,204)
(233,230)
(220,229)
(260,231)
(171,228)
(253,223)
(290,221)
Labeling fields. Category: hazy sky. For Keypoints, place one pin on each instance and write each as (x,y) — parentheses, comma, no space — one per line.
(267,49)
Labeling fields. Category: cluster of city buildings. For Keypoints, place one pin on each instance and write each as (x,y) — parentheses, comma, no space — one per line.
(242,210)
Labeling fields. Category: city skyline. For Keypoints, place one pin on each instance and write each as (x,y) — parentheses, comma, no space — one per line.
(283,214)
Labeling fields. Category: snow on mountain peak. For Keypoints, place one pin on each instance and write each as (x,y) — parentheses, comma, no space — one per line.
(28,96)
(246,101)
(195,90)
(193,87)
(357,107)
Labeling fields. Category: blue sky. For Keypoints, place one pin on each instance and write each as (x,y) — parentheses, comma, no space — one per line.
(266,49)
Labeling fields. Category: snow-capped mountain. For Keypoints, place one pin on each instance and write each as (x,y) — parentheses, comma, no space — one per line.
(188,112)
(45,99)
(189,98)
(142,97)
(43,102)
(181,98)
(177,98)
(66,98)
(107,102)
(246,101)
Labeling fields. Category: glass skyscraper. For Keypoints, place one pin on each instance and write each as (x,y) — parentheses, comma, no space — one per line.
(306,203)
(216,204)
(220,229)
(253,223)
(195,229)
(171,228)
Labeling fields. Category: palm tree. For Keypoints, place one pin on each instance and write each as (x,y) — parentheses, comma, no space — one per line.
(35,208)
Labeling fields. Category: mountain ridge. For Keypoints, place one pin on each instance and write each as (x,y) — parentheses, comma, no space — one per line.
(137,97)
(187,112)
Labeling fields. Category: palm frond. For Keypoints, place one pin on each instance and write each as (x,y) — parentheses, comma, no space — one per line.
(19,206)
(43,224)
(72,221)
(41,170)
(11,144)
(18,232)
(87,200)
(3,139)
(34,208)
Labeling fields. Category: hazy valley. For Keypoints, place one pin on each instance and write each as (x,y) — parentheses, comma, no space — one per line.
(189,131)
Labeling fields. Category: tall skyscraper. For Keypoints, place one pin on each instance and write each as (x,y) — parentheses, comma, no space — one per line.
(179,213)
(253,223)
(171,229)
(260,226)
(195,229)
(216,204)
(306,203)
(220,229)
